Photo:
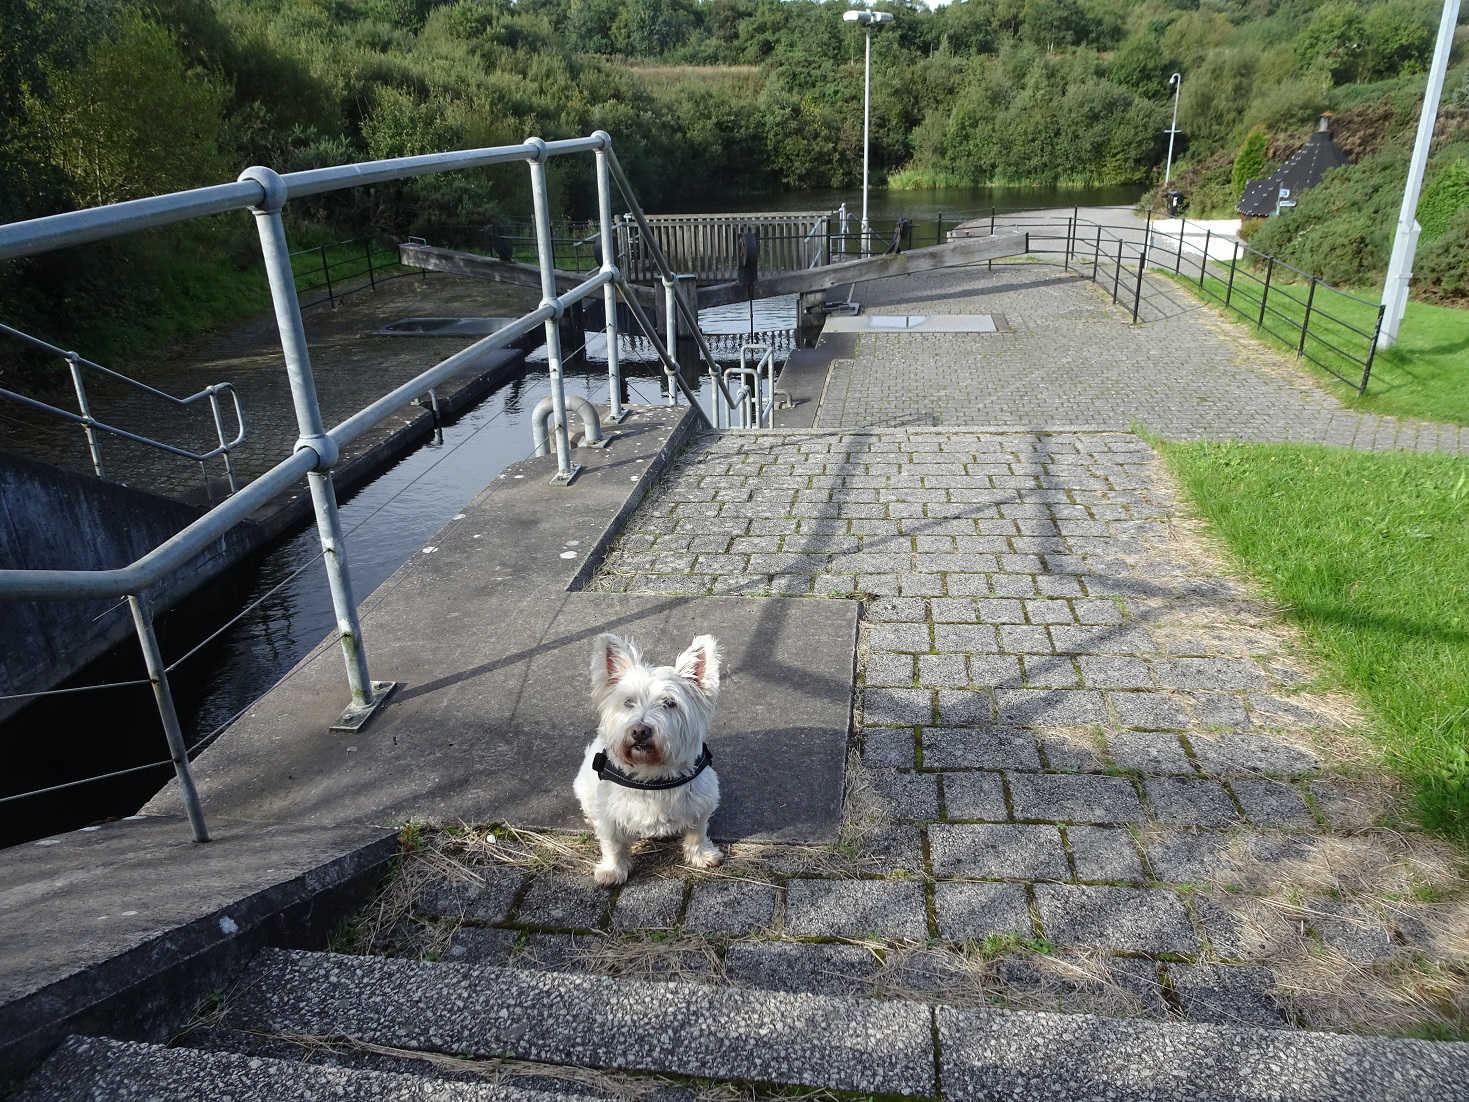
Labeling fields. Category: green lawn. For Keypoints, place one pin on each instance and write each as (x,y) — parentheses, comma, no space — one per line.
(1370,552)
(1425,375)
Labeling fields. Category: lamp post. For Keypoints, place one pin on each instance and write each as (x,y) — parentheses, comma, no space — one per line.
(868,19)
(1177,81)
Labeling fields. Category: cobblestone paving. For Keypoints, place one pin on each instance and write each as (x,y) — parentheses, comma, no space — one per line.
(1069,359)
(1086,772)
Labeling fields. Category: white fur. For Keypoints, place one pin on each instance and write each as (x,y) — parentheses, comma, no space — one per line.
(671,707)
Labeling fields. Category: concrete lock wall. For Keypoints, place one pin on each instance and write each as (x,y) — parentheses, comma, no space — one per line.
(55,519)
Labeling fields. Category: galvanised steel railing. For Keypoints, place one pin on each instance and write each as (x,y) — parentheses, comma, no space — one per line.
(90,424)
(265,192)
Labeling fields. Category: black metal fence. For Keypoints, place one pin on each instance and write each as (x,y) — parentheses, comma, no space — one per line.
(1333,329)
(339,269)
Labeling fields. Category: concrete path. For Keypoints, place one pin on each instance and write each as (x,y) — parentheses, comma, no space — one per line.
(1066,358)
(1085,775)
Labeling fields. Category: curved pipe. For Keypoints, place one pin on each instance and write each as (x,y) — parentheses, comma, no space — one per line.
(545,409)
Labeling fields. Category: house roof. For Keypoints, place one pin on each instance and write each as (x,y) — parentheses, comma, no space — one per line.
(1304,170)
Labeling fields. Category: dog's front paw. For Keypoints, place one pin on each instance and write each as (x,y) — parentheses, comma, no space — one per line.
(707,856)
(609,875)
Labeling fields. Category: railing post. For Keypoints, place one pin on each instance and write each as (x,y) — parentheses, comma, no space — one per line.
(1265,294)
(1233,260)
(615,412)
(1204,261)
(1096,254)
(326,273)
(1117,272)
(93,444)
(565,469)
(1137,295)
(1066,261)
(229,469)
(1306,321)
(1178,260)
(1147,236)
(670,333)
(367,250)
(163,695)
(1372,349)
(367,694)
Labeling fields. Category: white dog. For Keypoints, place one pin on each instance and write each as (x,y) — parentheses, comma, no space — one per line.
(647,773)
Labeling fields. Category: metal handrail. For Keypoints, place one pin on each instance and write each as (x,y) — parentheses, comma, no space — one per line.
(264,193)
(90,424)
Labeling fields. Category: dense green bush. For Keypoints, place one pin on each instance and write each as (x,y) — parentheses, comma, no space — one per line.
(1249,162)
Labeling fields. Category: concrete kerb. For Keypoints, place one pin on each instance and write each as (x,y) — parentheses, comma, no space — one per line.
(156,978)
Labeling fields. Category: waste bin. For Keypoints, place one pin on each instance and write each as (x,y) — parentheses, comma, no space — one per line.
(1175,203)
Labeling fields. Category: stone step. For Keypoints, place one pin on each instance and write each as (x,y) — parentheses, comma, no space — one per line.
(867,1045)
(594,1021)
(89,1068)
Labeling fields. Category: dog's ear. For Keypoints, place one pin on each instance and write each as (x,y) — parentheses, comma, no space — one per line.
(700,665)
(612,657)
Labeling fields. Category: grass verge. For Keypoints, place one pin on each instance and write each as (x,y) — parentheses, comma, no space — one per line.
(1421,376)
(1370,553)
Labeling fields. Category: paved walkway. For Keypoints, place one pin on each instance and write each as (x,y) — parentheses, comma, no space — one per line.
(1084,776)
(1067,359)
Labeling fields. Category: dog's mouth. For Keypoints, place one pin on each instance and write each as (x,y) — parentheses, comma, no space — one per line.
(641,753)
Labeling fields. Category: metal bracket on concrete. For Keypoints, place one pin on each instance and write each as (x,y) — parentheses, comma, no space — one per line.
(559,479)
(355,717)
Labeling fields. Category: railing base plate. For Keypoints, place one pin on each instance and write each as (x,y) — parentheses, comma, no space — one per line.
(559,479)
(355,718)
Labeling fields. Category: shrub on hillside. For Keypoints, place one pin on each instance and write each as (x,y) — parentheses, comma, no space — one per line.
(1441,269)
(1445,195)
(1249,162)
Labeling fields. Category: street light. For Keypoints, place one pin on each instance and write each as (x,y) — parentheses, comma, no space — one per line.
(868,20)
(1177,81)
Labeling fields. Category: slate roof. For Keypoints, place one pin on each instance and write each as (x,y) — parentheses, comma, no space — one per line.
(1302,171)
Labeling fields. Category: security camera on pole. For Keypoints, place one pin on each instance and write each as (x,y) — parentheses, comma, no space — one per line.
(868,19)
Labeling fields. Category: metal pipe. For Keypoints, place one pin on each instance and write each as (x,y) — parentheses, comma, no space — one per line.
(670,333)
(1204,262)
(86,412)
(277,254)
(163,695)
(866,124)
(1265,294)
(112,430)
(178,549)
(1137,295)
(1306,321)
(690,317)
(229,469)
(1177,81)
(650,331)
(1233,260)
(615,411)
(545,410)
(565,471)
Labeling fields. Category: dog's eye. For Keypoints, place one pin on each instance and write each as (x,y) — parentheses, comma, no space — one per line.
(629,703)
(670,704)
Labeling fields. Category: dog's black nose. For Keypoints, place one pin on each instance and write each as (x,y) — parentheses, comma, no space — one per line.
(641,734)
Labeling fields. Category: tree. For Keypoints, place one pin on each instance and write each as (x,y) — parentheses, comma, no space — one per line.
(1399,39)
(134,119)
(1249,162)
(1334,42)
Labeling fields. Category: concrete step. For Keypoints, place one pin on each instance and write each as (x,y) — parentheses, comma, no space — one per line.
(872,1046)
(94,1068)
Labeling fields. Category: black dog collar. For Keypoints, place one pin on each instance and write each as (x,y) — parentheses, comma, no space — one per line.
(609,772)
